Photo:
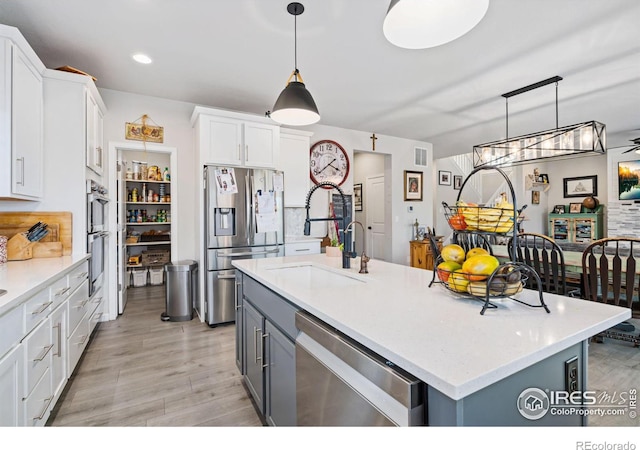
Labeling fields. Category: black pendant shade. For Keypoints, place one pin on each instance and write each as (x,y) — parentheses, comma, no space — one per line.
(295,105)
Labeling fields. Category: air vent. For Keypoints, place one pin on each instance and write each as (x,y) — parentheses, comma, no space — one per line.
(420,157)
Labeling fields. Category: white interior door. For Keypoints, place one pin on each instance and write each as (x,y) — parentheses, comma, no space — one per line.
(374,214)
(121,233)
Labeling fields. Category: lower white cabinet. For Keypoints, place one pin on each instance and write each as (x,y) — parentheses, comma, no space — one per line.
(310,247)
(11,382)
(41,341)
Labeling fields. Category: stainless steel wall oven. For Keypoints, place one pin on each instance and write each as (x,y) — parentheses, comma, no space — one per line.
(97,234)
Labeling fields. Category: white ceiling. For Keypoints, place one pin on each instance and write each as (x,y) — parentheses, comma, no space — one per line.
(238,54)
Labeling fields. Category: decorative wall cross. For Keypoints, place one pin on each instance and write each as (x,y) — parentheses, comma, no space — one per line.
(373,141)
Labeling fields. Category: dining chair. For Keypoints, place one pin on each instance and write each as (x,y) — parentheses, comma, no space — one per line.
(543,255)
(469,240)
(610,275)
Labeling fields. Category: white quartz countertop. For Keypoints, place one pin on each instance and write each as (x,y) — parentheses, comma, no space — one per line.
(23,279)
(432,333)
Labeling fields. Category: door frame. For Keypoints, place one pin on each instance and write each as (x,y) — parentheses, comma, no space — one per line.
(112,258)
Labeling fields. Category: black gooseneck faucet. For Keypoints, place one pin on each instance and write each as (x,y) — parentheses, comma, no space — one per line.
(347,254)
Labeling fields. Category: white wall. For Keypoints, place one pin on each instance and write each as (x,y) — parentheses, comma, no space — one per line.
(401,150)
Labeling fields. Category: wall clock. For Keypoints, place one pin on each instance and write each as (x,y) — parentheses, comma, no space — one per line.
(328,161)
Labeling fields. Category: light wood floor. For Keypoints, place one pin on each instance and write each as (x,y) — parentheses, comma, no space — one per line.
(140,371)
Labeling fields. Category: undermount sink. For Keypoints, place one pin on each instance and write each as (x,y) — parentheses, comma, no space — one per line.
(2,292)
(317,275)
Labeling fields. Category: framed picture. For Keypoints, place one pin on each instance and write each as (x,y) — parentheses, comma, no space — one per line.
(559,209)
(412,186)
(575,208)
(543,178)
(580,186)
(143,132)
(357,196)
(535,197)
(457,182)
(444,177)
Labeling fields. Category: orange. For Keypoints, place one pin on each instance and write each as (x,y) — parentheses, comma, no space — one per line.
(453,252)
(446,268)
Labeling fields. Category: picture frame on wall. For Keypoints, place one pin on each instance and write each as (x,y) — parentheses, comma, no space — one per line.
(457,182)
(444,178)
(412,186)
(535,197)
(357,196)
(580,186)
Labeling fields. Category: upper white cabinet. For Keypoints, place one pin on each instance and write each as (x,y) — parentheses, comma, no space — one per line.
(294,162)
(235,139)
(21,118)
(94,132)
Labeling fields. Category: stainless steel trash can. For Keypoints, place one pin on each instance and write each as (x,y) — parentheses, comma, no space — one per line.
(181,290)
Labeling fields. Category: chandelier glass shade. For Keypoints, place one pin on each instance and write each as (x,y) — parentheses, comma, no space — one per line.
(563,142)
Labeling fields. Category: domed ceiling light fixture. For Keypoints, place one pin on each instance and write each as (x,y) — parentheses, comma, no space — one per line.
(418,24)
(295,105)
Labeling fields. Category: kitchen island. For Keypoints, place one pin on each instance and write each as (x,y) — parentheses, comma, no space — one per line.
(471,364)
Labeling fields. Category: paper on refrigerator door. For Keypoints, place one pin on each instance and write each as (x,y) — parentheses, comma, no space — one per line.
(266,219)
(278,182)
(226,181)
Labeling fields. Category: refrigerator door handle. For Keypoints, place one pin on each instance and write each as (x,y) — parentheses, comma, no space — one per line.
(231,255)
(247,201)
(226,277)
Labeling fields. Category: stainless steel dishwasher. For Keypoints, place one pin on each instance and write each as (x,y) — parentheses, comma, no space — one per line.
(340,383)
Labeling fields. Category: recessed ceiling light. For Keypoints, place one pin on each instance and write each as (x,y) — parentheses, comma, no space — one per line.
(141,58)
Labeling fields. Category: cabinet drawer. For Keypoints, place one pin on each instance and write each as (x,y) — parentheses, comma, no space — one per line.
(38,349)
(59,291)
(78,305)
(301,248)
(38,404)
(275,308)
(11,329)
(77,276)
(36,309)
(77,343)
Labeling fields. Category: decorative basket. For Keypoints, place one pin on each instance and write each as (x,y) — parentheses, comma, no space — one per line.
(470,217)
(506,281)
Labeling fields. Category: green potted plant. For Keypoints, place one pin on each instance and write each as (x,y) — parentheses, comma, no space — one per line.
(335,249)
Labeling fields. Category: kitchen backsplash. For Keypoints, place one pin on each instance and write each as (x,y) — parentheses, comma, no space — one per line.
(294,221)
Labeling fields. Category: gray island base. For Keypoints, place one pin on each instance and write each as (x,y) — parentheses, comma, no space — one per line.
(322,345)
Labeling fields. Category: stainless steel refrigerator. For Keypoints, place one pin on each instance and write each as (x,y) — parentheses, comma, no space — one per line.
(244,219)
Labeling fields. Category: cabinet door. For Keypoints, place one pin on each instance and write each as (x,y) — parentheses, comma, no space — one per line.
(59,350)
(418,255)
(221,141)
(294,162)
(11,387)
(280,382)
(27,128)
(261,142)
(240,359)
(254,350)
(94,131)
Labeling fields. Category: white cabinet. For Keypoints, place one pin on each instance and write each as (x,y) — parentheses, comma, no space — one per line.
(306,247)
(38,395)
(21,118)
(235,139)
(294,162)
(94,134)
(11,382)
(59,350)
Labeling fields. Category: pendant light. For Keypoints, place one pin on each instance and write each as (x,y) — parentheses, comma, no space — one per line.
(581,139)
(295,105)
(418,24)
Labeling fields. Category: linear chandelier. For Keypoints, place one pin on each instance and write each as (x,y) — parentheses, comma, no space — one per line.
(558,143)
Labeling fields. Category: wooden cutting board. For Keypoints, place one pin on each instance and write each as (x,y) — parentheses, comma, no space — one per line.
(60,230)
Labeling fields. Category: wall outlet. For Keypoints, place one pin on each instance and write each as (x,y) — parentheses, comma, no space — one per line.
(410,208)
(571,375)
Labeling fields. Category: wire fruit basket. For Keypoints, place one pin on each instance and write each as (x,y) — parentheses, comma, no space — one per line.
(486,278)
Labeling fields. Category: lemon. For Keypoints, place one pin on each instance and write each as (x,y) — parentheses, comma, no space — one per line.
(479,267)
(476,251)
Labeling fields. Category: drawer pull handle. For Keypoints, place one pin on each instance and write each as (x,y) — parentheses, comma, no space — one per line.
(256,331)
(84,339)
(62,291)
(45,409)
(264,336)
(303,249)
(42,308)
(97,300)
(45,352)
(59,327)
(82,275)
(83,304)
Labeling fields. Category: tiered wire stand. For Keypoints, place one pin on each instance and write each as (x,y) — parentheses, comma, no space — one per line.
(502,283)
